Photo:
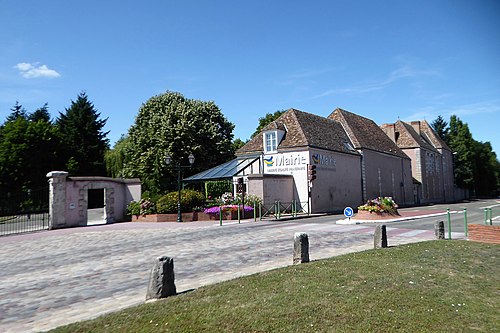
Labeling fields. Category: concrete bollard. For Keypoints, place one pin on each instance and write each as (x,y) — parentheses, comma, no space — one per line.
(300,248)
(439,229)
(380,236)
(161,281)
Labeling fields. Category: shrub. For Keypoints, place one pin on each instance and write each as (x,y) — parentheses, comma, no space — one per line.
(217,188)
(143,207)
(380,205)
(190,199)
(249,199)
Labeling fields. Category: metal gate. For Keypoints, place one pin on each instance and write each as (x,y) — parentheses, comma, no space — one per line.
(26,211)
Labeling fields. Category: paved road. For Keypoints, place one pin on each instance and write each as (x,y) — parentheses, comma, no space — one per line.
(57,277)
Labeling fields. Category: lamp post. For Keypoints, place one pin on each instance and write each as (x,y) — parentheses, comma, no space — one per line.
(179,167)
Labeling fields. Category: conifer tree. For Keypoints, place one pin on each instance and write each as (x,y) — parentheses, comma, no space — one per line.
(84,140)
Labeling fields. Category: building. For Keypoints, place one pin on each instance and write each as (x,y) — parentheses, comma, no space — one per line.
(385,168)
(431,160)
(354,160)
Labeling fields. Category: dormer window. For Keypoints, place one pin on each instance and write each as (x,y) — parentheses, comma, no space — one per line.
(270,142)
(271,139)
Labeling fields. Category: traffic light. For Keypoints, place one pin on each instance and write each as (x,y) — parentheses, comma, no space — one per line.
(311,172)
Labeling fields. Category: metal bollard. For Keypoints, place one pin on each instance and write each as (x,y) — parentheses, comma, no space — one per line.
(449,223)
(466,228)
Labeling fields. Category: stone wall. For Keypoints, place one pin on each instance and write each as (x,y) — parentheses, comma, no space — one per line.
(68,202)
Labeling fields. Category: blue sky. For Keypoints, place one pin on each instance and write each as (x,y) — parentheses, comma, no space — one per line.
(380,59)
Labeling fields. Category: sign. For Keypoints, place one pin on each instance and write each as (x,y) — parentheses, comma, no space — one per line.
(348,212)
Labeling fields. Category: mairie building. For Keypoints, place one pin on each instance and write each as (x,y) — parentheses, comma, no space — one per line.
(353,160)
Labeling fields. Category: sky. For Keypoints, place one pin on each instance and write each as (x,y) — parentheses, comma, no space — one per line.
(384,60)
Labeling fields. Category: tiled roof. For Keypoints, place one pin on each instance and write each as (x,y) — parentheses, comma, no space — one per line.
(303,129)
(432,136)
(409,138)
(364,133)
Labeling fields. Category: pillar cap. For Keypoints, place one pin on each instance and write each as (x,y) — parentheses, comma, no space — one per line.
(54,174)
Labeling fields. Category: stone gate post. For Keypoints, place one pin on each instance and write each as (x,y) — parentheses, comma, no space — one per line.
(57,199)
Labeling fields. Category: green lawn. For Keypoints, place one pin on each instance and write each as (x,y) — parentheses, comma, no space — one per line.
(439,286)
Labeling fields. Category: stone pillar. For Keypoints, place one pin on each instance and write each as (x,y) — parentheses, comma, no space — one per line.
(57,199)
(439,229)
(380,237)
(300,248)
(162,279)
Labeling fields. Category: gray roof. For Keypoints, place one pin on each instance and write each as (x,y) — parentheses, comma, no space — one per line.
(224,171)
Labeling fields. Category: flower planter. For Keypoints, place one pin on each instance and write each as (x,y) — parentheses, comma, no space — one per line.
(366,215)
(186,217)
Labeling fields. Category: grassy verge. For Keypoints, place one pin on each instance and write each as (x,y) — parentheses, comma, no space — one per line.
(440,286)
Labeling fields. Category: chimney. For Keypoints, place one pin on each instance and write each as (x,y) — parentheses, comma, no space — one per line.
(416,126)
(390,131)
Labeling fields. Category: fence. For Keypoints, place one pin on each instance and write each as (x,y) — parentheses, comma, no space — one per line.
(27,211)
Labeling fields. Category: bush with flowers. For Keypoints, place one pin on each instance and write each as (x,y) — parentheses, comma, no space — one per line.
(380,205)
(229,203)
(143,207)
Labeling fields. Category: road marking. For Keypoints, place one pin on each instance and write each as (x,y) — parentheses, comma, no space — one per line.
(489,206)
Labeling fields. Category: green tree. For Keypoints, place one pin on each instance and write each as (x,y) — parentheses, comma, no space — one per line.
(40,114)
(28,151)
(267,119)
(17,111)
(115,158)
(486,170)
(440,127)
(237,144)
(462,144)
(84,140)
(172,124)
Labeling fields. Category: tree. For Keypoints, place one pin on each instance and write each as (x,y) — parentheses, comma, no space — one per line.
(440,127)
(84,140)
(462,144)
(17,111)
(115,158)
(28,151)
(267,119)
(237,144)
(486,170)
(40,114)
(172,124)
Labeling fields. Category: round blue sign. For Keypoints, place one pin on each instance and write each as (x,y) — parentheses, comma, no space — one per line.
(348,212)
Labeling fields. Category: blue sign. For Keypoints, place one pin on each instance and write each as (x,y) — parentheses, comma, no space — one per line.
(348,212)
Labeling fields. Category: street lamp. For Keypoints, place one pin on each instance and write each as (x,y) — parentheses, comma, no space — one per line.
(179,167)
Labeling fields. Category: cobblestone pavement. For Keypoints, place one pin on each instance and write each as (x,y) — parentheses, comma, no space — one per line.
(53,278)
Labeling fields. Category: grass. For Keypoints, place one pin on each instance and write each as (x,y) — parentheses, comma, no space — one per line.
(439,286)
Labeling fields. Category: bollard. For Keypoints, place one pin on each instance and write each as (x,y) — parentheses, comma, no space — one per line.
(449,223)
(300,248)
(439,229)
(239,219)
(220,216)
(260,211)
(466,227)
(254,213)
(486,216)
(491,216)
(279,209)
(161,281)
(380,236)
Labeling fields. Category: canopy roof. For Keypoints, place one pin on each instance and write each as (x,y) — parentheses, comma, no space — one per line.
(223,171)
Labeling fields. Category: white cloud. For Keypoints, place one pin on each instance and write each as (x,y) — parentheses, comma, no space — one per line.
(472,109)
(30,71)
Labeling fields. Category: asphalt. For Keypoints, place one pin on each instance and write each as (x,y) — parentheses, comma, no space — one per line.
(57,277)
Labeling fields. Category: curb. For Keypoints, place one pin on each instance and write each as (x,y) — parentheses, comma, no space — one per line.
(400,219)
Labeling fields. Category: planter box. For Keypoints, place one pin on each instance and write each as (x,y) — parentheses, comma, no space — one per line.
(366,215)
(186,217)
(484,233)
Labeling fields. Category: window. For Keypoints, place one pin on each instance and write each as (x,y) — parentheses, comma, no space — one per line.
(271,144)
